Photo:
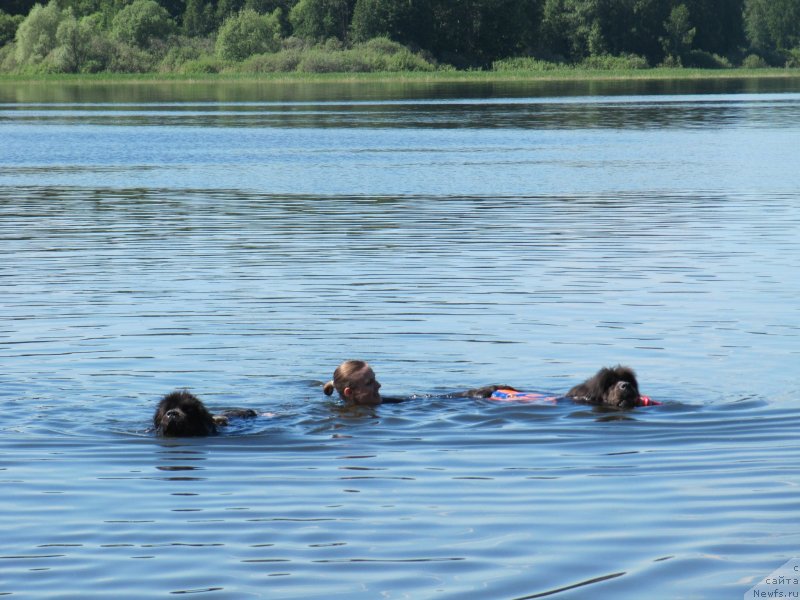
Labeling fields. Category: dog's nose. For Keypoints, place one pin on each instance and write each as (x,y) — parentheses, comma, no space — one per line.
(172,414)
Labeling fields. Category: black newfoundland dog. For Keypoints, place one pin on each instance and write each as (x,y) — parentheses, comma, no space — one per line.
(614,387)
(182,414)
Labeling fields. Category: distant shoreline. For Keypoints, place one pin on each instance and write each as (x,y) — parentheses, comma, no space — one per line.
(567,74)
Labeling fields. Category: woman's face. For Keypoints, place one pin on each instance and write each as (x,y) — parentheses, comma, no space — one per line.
(363,388)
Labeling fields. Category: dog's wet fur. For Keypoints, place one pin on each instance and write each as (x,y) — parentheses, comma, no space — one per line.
(182,414)
(615,387)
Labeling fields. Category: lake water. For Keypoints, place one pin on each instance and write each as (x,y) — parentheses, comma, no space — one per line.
(241,240)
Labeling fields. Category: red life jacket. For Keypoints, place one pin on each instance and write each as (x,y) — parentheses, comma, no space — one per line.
(506,395)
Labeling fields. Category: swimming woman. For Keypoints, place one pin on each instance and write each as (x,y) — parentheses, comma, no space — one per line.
(355,381)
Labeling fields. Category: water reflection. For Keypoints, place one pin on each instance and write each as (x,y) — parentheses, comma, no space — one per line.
(321,91)
(641,112)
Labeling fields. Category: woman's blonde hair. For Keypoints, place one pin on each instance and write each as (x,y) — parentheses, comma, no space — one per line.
(342,376)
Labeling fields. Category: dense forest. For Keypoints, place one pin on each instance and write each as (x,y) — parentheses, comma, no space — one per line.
(195,36)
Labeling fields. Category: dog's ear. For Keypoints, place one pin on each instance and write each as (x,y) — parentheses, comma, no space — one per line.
(579,392)
(605,376)
(626,374)
(593,389)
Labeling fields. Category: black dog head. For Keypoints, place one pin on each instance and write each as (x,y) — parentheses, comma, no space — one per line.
(616,387)
(182,414)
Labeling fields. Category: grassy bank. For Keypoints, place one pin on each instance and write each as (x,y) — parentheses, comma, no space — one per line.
(449,76)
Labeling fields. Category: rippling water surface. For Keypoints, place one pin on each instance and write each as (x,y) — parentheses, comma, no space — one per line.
(241,242)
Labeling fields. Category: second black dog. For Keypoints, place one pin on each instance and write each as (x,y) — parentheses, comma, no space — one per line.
(182,414)
(611,386)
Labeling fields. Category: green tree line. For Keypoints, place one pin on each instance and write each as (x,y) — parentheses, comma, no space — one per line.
(369,35)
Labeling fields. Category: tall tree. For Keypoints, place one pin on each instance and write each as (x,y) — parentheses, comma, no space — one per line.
(321,19)
(573,28)
(18,7)
(646,27)
(719,23)
(479,31)
(227,8)
(247,33)
(199,19)
(36,35)
(679,33)
(74,39)
(629,27)
(175,8)
(384,18)
(773,24)
(8,27)
(141,22)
